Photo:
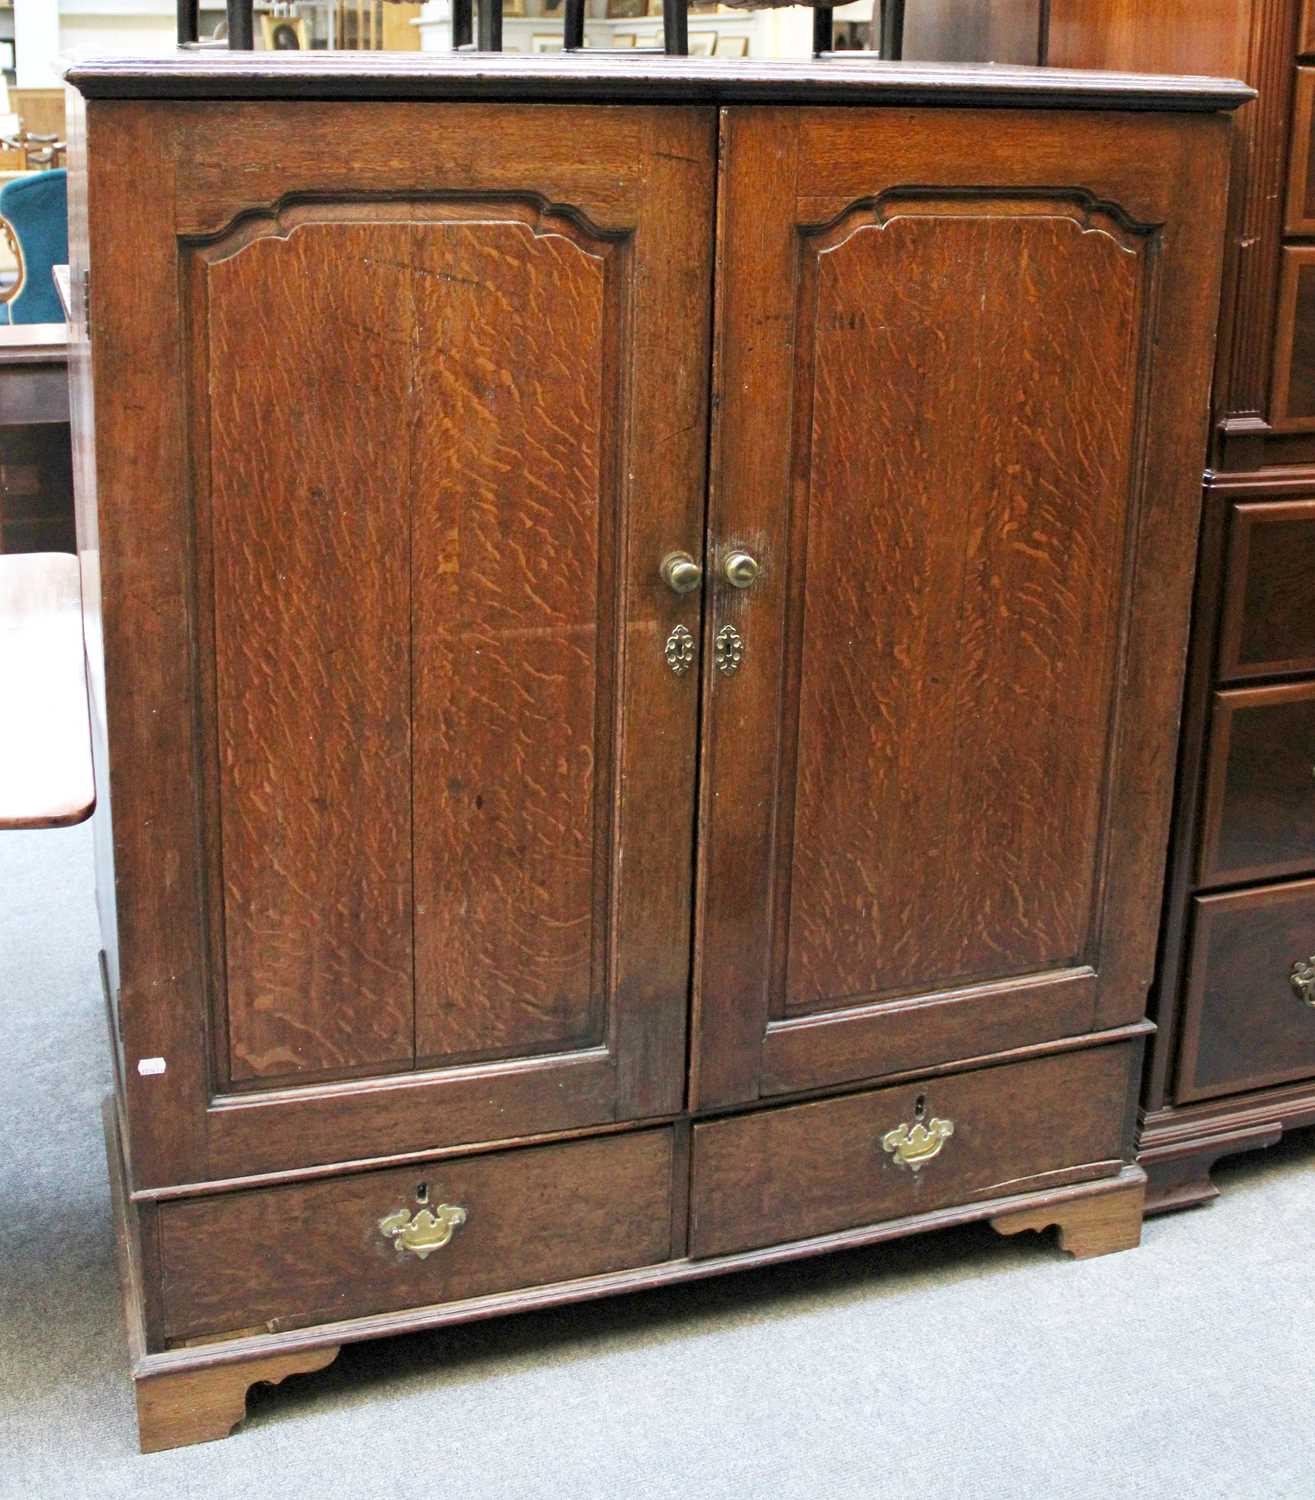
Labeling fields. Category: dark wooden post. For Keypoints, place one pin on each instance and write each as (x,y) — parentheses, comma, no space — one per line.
(241,26)
(189,21)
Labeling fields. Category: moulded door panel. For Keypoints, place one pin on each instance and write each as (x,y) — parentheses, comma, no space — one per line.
(961,365)
(441,412)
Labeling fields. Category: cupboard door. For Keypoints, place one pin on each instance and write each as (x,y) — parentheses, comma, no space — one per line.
(961,371)
(443,413)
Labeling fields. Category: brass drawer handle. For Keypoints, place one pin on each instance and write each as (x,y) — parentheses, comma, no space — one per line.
(422,1233)
(913,1146)
(1302,980)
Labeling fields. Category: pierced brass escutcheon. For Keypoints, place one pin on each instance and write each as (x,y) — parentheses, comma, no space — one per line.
(913,1146)
(1302,980)
(729,650)
(422,1233)
(679,650)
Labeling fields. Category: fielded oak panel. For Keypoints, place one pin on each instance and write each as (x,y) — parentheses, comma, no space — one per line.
(929,829)
(1293,389)
(442,414)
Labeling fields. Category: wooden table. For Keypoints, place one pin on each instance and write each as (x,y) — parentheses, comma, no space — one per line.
(46,778)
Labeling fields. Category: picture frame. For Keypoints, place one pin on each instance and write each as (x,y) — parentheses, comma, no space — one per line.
(285,33)
(701,43)
(731,46)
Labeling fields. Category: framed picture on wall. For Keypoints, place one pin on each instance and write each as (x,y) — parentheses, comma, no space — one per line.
(285,33)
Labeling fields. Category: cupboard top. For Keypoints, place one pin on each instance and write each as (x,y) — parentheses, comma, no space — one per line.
(840,79)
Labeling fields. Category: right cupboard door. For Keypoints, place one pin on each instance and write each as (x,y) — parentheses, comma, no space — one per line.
(962,367)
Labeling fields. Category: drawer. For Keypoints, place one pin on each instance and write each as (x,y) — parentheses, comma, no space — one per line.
(808,1169)
(1268,625)
(1292,393)
(1259,816)
(1299,217)
(315,1252)
(1248,1020)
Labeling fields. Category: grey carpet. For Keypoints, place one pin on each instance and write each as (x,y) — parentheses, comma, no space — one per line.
(955,1365)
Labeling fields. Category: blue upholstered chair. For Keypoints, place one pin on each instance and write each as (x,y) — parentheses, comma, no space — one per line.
(36,208)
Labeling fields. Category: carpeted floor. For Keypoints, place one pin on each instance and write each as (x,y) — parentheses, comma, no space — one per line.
(956,1365)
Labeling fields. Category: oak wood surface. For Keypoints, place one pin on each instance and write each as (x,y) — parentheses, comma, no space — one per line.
(299,634)
(1087,1227)
(315,1253)
(1259,817)
(1244,1025)
(686,80)
(1299,215)
(807,1169)
(46,777)
(921,781)
(1267,628)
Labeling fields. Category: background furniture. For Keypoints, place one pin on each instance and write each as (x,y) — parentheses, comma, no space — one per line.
(536,860)
(35,207)
(36,461)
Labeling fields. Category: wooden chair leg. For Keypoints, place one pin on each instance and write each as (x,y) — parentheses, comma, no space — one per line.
(198,1406)
(1094,1225)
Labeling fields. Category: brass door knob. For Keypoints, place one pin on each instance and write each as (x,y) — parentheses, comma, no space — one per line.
(740,568)
(680,573)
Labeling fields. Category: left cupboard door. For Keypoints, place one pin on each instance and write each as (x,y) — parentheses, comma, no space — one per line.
(399,409)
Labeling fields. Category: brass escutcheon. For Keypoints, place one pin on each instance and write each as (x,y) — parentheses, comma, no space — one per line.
(913,1146)
(679,650)
(728,650)
(1302,980)
(422,1233)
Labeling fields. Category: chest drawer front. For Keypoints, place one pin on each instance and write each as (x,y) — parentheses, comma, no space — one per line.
(316,1252)
(1250,1009)
(810,1169)
(1268,625)
(1259,819)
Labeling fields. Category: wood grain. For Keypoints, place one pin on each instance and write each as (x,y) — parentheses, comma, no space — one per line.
(945,766)
(514,569)
(785,1173)
(46,777)
(1293,388)
(1087,1227)
(308,507)
(961,597)
(313,1253)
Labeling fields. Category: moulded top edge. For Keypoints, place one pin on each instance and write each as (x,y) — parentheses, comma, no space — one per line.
(839,79)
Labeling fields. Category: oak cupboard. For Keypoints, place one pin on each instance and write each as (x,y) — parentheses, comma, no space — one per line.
(642,621)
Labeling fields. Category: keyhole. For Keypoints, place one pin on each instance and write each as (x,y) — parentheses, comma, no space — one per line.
(920,1106)
(422,1193)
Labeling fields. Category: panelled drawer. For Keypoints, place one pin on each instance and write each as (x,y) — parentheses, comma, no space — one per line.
(1300,213)
(1268,625)
(1259,818)
(1293,387)
(315,1252)
(1249,1020)
(809,1169)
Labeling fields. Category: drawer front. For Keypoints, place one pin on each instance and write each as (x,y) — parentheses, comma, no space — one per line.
(1259,821)
(315,1252)
(1268,625)
(1293,387)
(1300,215)
(1249,1016)
(809,1169)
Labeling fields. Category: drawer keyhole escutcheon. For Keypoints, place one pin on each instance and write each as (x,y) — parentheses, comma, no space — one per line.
(729,650)
(1302,980)
(679,650)
(913,1146)
(424,1232)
